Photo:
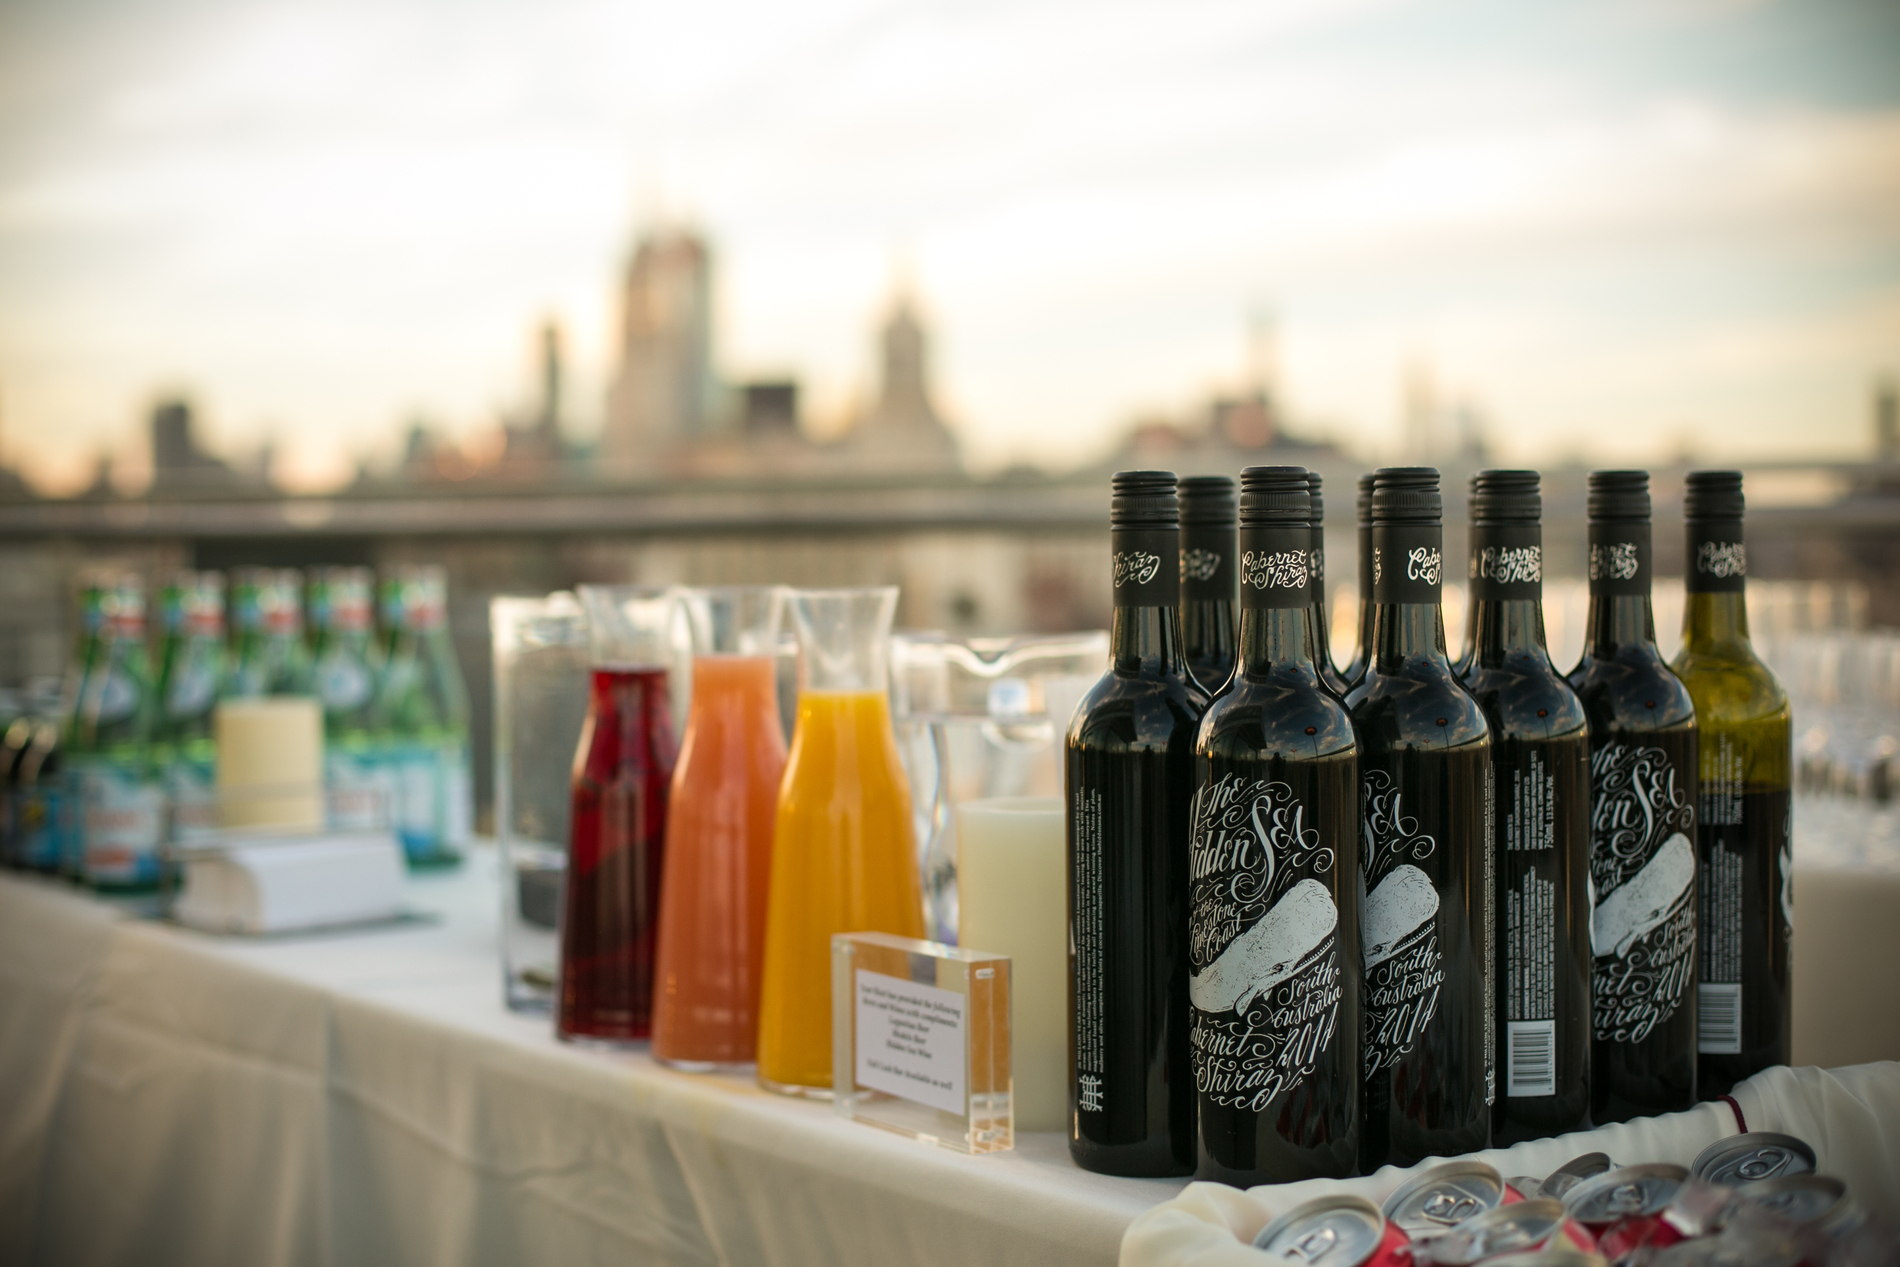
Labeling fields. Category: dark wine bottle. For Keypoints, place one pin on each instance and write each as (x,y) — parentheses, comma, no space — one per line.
(1425,849)
(1642,824)
(1362,653)
(1540,764)
(1321,637)
(1207,579)
(1745,912)
(1273,932)
(1130,780)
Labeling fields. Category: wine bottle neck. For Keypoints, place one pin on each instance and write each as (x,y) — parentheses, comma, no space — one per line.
(1275,636)
(1711,622)
(1618,620)
(1207,626)
(1502,626)
(1146,642)
(1405,630)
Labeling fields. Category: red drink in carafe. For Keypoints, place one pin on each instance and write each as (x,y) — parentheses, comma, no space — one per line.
(622,770)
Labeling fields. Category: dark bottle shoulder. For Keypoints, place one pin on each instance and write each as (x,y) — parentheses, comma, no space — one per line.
(1421,705)
(1137,712)
(1287,713)
(1524,697)
(1632,689)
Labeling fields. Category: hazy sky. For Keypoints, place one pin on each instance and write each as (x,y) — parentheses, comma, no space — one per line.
(1618,227)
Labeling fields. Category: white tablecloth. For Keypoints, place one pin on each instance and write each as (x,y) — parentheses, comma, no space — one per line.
(167,1097)
(172,1098)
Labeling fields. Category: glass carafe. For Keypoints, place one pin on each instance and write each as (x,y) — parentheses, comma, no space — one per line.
(843,848)
(719,834)
(623,767)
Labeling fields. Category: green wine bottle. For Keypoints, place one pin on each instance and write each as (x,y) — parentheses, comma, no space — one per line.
(1746,899)
(191,676)
(422,704)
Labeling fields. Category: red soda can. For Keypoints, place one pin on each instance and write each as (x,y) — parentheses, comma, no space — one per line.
(1337,1231)
(1819,1202)
(1626,1193)
(1510,1229)
(1443,1197)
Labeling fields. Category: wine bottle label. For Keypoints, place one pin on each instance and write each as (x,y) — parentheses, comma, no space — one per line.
(1207,563)
(1407,562)
(1619,558)
(1319,559)
(1745,865)
(1404,967)
(1147,563)
(1642,879)
(1276,568)
(1507,561)
(1090,957)
(1527,790)
(1263,942)
(1718,557)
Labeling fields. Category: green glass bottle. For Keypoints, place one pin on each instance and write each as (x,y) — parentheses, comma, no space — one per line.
(121,805)
(423,706)
(191,677)
(1744,866)
(268,652)
(357,770)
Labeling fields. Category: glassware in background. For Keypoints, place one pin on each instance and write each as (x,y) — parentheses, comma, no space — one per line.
(719,828)
(541,665)
(191,677)
(38,802)
(121,804)
(623,767)
(844,846)
(422,707)
(268,652)
(981,718)
(358,779)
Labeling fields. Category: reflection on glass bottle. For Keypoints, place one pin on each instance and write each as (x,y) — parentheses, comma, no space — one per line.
(1425,804)
(1207,579)
(1273,931)
(120,802)
(1540,746)
(422,709)
(1745,912)
(1130,785)
(1321,637)
(1362,650)
(1643,787)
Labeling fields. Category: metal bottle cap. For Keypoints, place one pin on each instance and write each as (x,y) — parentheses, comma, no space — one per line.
(1750,1158)
(1337,1231)
(1618,1194)
(1444,1197)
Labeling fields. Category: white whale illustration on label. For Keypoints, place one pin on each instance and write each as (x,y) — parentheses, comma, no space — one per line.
(1269,952)
(1644,901)
(1400,903)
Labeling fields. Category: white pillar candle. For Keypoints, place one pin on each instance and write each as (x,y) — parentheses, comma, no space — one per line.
(270,762)
(1012,886)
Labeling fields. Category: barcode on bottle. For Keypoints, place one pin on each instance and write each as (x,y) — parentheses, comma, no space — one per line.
(1719,1018)
(1531,1048)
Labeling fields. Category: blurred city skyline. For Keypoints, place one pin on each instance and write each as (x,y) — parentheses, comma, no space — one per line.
(1610,232)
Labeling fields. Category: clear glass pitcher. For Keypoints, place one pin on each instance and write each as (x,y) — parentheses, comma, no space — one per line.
(719,833)
(844,853)
(623,768)
(980,718)
(541,663)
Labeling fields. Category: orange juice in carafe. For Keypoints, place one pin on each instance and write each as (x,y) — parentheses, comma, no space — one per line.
(844,855)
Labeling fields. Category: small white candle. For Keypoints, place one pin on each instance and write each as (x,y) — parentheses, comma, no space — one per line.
(270,762)
(1012,880)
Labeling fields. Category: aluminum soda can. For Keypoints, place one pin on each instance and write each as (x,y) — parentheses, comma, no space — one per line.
(1335,1231)
(1818,1202)
(1624,1193)
(1552,1257)
(1510,1229)
(1572,1173)
(1443,1197)
(1727,1251)
(1750,1158)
